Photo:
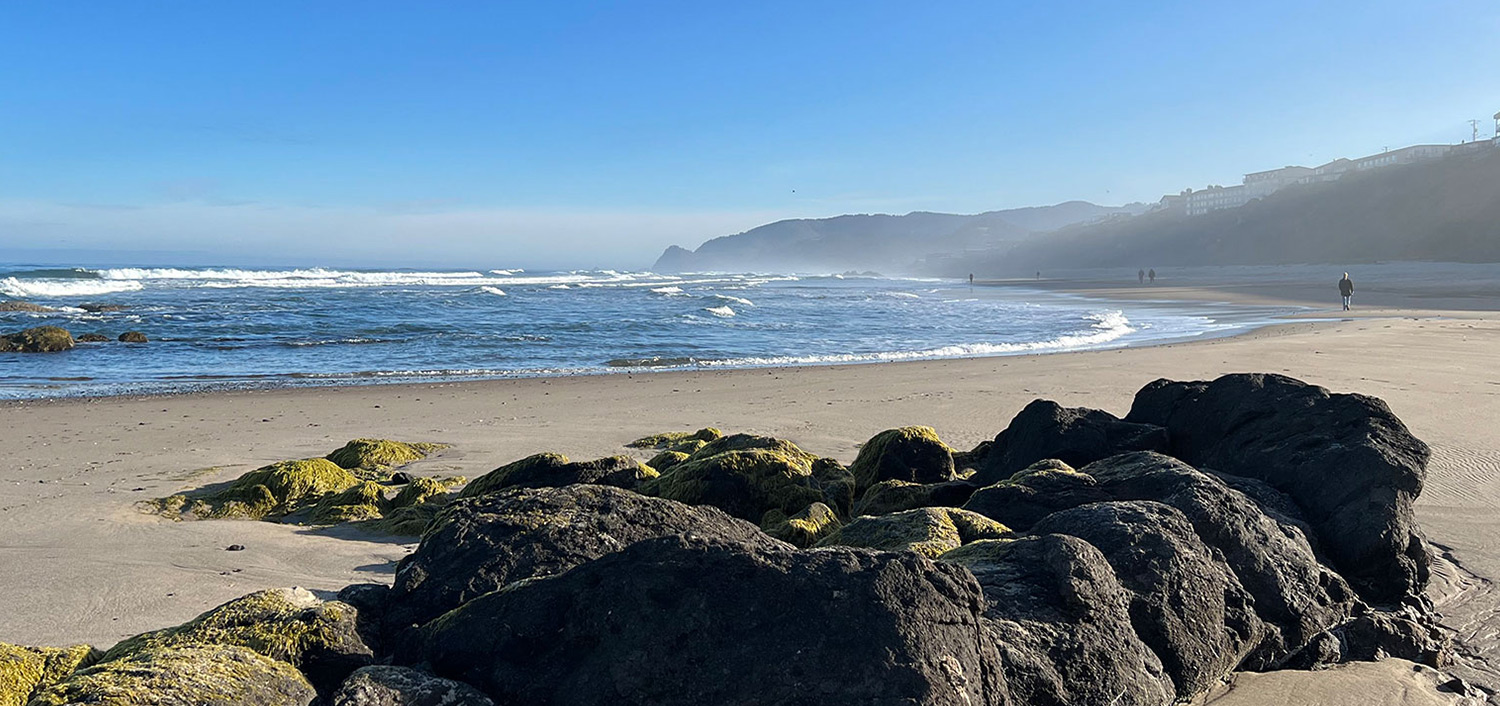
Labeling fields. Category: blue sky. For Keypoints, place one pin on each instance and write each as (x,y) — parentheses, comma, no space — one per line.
(595,134)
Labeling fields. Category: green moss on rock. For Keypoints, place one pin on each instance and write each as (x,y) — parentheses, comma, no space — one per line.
(362,501)
(977,552)
(837,484)
(25,670)
(272,491)
(931,531)
(376,454)
(672,438)
(199,675)
(913,454)
(42,339)
(745,484)
(666,459)
(286,624)
(803,529)
(497,479)
(890,496)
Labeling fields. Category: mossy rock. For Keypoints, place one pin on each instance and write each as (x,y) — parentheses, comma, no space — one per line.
(25,670)
(410,521)
(271,491)
(890,496)
(363,501)
(978,552)
(913,454)
(931,531)
(377,454)
(134,337)
(747,442)
(194,675)
(803,529)
(93,338)
(1047,471)
(42,339)
(422,489)
(837,484)
(672,438)
(18,305)
(1035,492)
(286,624)
(496,479)
(666,459)
(549,470)
(745,484)
(965,463)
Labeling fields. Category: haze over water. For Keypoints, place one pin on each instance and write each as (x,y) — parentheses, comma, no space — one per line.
(221,327)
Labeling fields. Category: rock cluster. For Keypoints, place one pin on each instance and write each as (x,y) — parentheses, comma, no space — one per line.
(1250,523)
(51,339)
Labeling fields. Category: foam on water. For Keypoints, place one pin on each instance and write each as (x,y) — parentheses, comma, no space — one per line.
(21,288)
(720,311)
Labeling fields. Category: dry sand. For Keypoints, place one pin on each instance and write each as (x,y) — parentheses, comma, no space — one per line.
(77,563)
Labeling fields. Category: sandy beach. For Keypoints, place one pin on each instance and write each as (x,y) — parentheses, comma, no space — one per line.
(79,564)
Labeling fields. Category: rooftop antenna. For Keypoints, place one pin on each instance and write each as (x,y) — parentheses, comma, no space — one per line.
(1474,126)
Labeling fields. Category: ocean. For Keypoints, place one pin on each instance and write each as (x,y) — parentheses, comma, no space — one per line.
(241,328)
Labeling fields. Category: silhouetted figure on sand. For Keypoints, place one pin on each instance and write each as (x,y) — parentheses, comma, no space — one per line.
(1346,290)
(1152,275)
(1140,276)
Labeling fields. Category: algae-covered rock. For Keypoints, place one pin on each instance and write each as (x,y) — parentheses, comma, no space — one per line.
(272,491)
(837,484)
(889,496)
(385,685)
(666,459)
(670,439)
(375,454)
(684,621)
(745,484)
(42,339)
(422,489)
(362,501)
(414,508)
(914,454)
(187,675)
(287,624)
(803,529)
(25,670)
(747,442)
(93,338)
(134,337)
(549,470)
(482,544)
(931,531)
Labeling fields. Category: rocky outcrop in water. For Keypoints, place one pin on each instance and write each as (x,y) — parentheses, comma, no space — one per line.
(42,339)
(1096,561)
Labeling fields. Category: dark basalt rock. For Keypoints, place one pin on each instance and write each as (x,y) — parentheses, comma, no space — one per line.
(1185,603)
(745,483)
(1062,621)
(1350,465)
(133,337)
(18,305)
(482,544)
(1076,436)
(1035,492)
(687,621)
(896,495)
(102,308)
(93,338)
(384,685)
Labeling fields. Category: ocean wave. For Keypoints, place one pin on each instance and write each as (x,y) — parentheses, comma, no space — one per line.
(507,273)
(54,273)
(669,291)
(492,290)
(353,341)
(720,311)
(13,287)
(738,300)
(655,361)
(559,286)
(902,295)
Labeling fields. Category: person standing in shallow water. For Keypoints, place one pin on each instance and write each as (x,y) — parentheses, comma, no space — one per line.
(1152,275)
(1346,290)
(1140,276)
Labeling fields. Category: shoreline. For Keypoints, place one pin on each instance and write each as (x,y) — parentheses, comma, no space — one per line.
(1234,317)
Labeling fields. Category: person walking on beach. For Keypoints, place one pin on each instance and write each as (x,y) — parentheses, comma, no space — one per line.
(1152,275)
(1140,276)
(1346,290)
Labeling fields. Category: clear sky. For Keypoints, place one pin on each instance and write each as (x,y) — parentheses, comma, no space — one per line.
(595,134)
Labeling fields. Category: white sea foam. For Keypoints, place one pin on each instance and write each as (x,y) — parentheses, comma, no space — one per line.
(493,290)
(720,311)
(559,286)
(738,300)
(669,291)
(507,273)
(902,295)
(10,286)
